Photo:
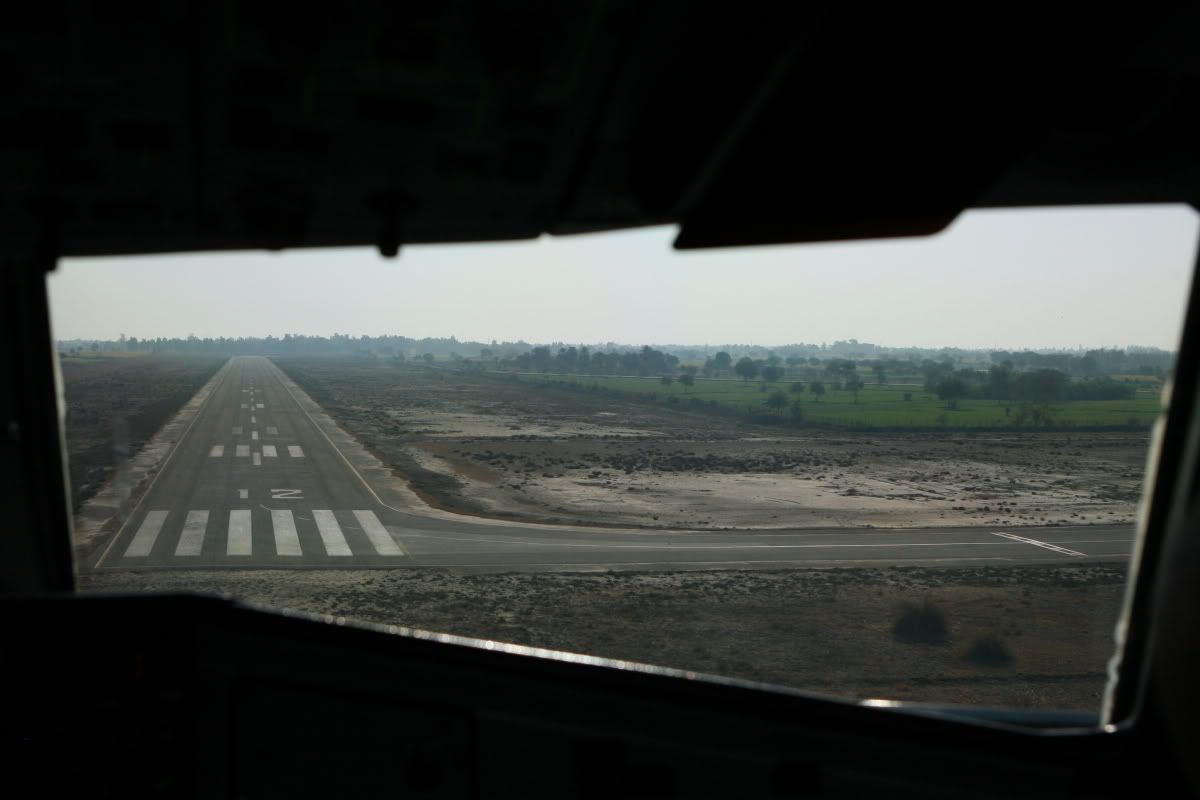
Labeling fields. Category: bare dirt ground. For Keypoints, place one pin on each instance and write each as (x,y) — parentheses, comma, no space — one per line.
(488,446)
(1029,637)
(115,405)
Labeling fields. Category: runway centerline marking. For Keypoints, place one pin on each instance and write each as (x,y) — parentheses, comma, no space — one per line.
(484,539)
(1038,543)
(257,459)
(254,436)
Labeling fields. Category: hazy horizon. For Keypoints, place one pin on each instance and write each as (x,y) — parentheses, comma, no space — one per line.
(1045,279)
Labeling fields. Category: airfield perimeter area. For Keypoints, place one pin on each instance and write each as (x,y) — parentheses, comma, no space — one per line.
(995,632)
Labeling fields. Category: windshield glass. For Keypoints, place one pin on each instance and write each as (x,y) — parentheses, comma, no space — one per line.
(904,469)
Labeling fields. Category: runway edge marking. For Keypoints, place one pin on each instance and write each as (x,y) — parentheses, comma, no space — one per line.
(163,468)
(324,435)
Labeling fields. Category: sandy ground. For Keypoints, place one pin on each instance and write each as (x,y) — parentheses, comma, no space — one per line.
(539,453)
(1030,637)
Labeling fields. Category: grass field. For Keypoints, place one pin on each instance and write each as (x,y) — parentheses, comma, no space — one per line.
(877,406)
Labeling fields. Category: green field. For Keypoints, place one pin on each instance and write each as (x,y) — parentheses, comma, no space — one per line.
(877,406)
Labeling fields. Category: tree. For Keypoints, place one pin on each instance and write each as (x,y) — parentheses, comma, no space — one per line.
(952,388)
(797,387)
(722,361)
(853,385)
(880,374)
(746,368)
(428,359)
(777,401)
(688,379)
(666,380)
(817,388)
(797,410)
(772,373)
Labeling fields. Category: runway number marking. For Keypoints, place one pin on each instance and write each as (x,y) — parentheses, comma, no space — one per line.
(287,494)
(1037,543)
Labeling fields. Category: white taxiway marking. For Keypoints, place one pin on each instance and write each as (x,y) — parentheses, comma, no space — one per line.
(243,450)
(217,451)
(384,544)
(243,494)
(1037,543)
(254,436)
(331,534)
(191,541)
(295,451)
(238,543)
(287,542)
(269,450)
(258,459)
(237,430)
(143,540)
(272,430)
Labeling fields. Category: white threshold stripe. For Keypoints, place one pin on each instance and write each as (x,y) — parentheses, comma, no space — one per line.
(147,533)
(383,542)
(1038,543)
(269,451)
(287,541)
(217,451)
(243,451)
(295,451)
(331,533)
(272,430)
(245,405)
(238,543)
(258,459)
(260,405)
(191,541)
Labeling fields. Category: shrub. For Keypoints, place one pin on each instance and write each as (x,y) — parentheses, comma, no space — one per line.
(921,624)
(988,652)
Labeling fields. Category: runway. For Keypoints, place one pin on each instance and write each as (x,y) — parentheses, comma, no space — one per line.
(255,482)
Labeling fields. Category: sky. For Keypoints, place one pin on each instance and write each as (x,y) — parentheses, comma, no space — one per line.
(1004,279)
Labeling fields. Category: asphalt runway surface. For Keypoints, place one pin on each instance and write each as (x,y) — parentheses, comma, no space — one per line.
(255,482)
